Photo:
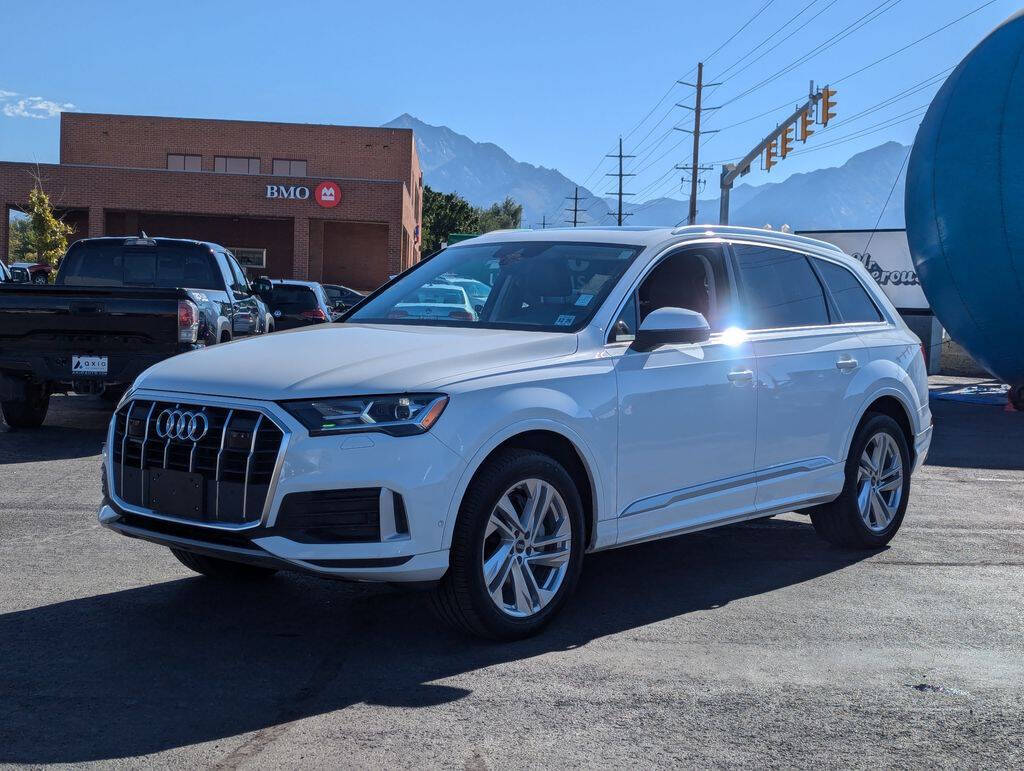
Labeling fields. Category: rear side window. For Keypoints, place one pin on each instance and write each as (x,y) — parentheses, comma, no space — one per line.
(853,301)
(780,288)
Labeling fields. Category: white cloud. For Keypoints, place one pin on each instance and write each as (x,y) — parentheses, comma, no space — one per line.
(31,106)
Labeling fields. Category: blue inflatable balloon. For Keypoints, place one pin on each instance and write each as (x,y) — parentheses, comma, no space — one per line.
(965,203)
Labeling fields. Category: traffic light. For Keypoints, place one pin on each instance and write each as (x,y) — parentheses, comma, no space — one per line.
(786,142)
(769,156)
(828,105)
(806,121)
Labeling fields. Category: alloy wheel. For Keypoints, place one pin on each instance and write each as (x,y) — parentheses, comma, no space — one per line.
(526,548)
(879,482)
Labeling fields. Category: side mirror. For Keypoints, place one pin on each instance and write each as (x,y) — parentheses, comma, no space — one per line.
(667,326)
(263,287)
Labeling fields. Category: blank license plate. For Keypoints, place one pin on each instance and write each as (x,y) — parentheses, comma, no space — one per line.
(88,365)
(176,493)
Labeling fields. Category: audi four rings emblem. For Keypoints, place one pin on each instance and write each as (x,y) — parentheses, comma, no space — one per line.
(178,424)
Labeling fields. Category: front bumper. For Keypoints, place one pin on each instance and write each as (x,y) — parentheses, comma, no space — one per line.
(420,469)
(276,552)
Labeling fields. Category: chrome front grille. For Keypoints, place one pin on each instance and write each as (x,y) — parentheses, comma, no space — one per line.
(224,472)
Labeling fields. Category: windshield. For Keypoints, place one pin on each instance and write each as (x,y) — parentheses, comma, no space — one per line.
(111,264)
(551,286)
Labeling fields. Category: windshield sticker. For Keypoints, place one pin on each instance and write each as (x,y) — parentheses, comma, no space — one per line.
(565,320)
(584,300)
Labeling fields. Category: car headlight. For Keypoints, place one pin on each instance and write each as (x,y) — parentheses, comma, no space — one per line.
(394,414)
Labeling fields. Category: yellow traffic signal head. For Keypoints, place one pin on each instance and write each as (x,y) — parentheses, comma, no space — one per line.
(769,156)
(806,121)
(786,142)
(828,105)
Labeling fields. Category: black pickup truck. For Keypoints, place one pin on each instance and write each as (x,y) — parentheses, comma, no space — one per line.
(118,306)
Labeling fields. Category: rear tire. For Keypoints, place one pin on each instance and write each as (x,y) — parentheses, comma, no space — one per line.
(532,563)
(870,510)
(29,412)
(224,570)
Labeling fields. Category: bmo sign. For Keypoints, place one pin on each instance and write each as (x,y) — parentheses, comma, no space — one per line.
(326,194)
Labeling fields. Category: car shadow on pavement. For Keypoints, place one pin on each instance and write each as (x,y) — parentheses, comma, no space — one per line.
(191,660)
(75,427)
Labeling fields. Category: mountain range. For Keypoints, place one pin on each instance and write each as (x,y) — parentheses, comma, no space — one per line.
(850,196)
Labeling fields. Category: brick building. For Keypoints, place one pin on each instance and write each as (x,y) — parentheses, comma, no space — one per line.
(327,203)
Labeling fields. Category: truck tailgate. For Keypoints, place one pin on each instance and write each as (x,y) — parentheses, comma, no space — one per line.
(45,326)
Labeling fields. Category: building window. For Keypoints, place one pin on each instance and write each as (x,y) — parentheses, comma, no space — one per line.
(249,257)
(286,168)
(230,165)
(183,162)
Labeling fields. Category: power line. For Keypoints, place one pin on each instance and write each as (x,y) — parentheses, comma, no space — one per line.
(867,18)
(914,43)
(664,96)
(886,204)
(725,73)
(916,113)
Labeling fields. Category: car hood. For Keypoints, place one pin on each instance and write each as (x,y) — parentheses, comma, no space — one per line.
(340,359)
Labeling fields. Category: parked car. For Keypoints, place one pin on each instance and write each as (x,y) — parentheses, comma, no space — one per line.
(31,272)
(341,297)
(623,385)
(299,304)
(478,291)
(117,306)
(5,274)
(435,301)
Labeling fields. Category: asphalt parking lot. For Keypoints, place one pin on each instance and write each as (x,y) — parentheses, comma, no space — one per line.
(751,645)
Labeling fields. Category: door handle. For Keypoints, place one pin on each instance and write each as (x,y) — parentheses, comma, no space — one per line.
(741,375)
(846,364)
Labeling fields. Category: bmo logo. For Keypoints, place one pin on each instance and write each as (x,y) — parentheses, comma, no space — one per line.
(295,192)
(327,194)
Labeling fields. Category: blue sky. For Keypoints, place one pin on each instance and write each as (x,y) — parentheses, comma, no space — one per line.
(552,83)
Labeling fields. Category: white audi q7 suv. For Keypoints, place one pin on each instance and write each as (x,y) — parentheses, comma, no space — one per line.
(615,385)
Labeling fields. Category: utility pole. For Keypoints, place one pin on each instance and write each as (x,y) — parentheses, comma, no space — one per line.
(695,168)
(575,198)
(544,222)
(620,175)
(731,171)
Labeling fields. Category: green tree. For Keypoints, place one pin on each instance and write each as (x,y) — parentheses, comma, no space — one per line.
(19,249)
(443,214)
(47,236)
(504,215)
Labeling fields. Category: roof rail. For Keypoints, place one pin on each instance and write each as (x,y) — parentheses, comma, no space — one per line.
(736,230)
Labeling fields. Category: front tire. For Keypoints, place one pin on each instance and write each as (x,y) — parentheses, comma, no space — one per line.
(517,549)
(870,510)
(224,570)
